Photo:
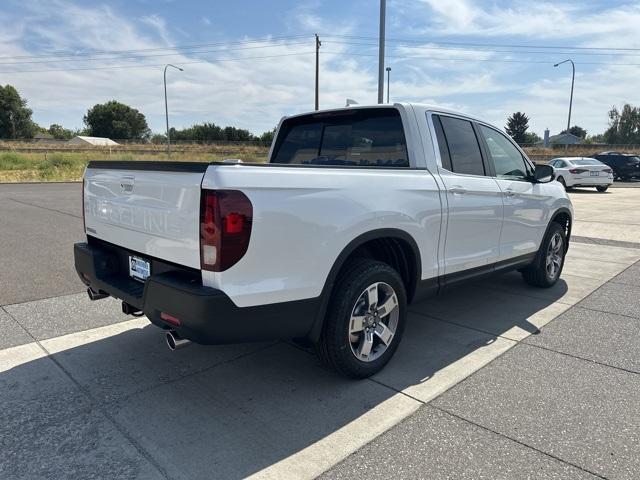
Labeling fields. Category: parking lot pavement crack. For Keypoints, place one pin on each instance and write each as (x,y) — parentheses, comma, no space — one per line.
(542,452)
(95,404)
(604,241)
(81,290)
(45,208)
(524,340)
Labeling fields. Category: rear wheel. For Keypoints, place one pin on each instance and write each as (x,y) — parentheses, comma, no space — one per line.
(603,188)
(547,266)
(564,184)
(365,319)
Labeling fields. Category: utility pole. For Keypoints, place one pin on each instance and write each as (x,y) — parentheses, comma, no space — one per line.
(388,82)
(573,77)
(381,41)
(318,43)
(166,105)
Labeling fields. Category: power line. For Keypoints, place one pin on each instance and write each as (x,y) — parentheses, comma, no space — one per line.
(487,50)
(407,57)
(61,53)
(155,64)
(470,44)
(152,55)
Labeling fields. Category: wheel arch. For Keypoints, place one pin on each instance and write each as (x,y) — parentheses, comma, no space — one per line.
(393,246)
(563,217)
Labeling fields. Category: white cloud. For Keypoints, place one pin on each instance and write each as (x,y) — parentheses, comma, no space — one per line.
(254,92)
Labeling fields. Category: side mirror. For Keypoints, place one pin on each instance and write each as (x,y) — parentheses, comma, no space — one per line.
(544,174)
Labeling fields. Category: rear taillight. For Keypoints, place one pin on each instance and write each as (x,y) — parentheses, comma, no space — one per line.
(226,217)
(578,170)
(607,170)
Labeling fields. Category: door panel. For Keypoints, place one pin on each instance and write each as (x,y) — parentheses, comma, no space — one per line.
(525,205)
(525,216)
(474,201)
(475,211)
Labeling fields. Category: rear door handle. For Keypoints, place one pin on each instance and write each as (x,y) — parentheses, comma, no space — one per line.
(457,190)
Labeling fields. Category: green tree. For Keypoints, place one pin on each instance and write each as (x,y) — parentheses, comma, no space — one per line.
(15,116)
(59,132)
(577,131)
(116,120)
(624,126)
(517,125)
(531,138)
(267,137)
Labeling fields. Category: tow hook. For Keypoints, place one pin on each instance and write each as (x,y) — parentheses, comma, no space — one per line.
(131,310)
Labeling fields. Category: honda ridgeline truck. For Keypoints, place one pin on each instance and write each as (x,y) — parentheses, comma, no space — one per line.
(357,213)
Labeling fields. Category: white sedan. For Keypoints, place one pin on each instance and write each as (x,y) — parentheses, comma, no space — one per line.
(582,172)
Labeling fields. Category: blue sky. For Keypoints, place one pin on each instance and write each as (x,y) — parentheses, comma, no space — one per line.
(247,63)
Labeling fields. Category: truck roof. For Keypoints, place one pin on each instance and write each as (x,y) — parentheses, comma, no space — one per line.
(416,106)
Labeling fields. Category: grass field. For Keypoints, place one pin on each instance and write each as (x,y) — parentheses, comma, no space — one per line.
(32,162)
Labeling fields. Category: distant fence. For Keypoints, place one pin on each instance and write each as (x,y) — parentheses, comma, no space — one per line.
(537,153)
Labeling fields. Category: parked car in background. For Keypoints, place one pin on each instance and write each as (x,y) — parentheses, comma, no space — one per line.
(624,166)
(582,172)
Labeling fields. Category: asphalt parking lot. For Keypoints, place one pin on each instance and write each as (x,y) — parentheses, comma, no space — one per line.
(494,379)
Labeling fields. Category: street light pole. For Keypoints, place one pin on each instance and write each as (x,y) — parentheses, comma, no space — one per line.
(383,7)
(318,44)
(388,82)
(573,77)
(166,106)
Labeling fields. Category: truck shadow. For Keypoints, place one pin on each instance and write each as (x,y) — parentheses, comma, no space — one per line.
(231,411)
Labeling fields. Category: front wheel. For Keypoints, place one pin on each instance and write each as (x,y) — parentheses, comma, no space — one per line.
(562,182)
(603,188)
(547,266)
(365,319)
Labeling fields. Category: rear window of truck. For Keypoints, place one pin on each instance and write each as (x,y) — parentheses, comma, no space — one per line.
(371,137)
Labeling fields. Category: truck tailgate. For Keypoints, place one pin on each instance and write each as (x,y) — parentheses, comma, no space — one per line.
(152,208)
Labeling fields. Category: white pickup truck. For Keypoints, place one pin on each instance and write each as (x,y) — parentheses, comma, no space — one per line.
(358,212)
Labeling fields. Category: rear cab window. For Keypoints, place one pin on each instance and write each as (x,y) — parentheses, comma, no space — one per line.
(459,148)
(367,137)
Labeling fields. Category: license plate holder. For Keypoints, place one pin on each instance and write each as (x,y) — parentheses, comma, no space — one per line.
(594,174)
(139,268)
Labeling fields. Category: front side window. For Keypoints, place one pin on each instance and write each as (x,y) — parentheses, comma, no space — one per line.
(359,137)
(463,147)
(507,159)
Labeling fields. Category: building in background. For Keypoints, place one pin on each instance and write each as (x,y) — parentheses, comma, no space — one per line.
(560,139)
(92,141)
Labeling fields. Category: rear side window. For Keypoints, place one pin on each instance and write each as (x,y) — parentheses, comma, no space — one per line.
(442,144)
(360,137)
(463,146)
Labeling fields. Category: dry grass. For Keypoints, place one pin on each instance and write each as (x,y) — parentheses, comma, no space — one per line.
(31,162)
(36,163)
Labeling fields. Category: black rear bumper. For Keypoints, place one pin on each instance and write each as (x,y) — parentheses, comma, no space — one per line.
(206,315)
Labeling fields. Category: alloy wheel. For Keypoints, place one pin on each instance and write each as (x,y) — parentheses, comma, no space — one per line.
(555,255)
(373,322)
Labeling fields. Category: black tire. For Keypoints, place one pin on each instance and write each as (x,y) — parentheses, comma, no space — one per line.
(564,184)
(603,189)
(537,274)
(334,347)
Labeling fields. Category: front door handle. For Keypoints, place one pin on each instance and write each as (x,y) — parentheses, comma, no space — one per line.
(457,190)
(509,192)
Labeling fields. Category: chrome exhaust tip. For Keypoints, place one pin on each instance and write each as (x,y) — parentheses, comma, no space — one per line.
(93,295)
(175,341)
